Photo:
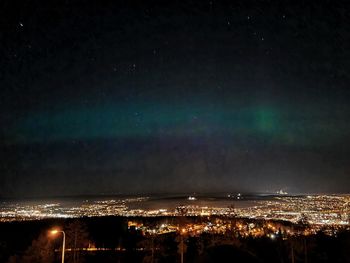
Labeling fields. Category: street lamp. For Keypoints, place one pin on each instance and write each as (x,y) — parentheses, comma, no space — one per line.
(55,232)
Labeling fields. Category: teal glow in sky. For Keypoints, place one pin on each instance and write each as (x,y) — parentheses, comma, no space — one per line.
(285,125)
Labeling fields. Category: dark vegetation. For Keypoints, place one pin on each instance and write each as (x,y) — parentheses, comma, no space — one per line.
(30,242)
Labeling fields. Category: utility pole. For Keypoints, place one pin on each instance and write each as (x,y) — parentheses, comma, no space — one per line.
(75,246)
(182,249)
(305,248)
(152,249)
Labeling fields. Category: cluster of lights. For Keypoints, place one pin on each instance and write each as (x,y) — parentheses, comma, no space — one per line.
(237,227)
(317,210)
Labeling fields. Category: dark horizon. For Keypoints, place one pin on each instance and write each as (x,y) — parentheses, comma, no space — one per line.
(214,196)
(172,194)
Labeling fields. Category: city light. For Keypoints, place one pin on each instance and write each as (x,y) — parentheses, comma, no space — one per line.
(316,211)
(54,232)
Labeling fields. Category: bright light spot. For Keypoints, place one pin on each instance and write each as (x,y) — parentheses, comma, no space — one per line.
(54,232)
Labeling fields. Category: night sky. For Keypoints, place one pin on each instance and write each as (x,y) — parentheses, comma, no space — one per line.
(174,96)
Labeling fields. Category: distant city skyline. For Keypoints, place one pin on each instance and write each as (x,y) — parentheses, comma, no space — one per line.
(317,211)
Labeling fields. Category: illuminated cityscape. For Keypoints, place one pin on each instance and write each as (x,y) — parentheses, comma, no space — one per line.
(317,210)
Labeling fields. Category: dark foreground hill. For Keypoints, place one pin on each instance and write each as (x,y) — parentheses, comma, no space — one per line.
(109,239)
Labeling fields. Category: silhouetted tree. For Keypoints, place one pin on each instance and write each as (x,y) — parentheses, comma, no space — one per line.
(40,251)
(77,237)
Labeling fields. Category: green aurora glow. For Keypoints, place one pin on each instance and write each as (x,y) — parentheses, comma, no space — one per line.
(281,125)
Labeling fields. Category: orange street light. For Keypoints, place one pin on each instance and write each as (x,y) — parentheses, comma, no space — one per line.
(55,232)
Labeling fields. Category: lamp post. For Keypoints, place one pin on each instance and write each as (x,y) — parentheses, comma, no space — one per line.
(54,232)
